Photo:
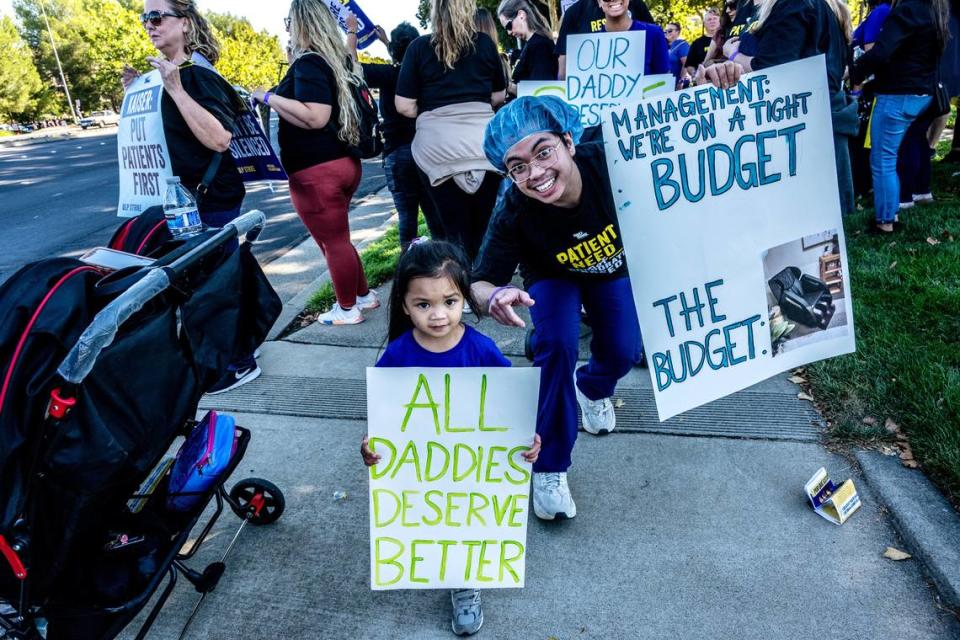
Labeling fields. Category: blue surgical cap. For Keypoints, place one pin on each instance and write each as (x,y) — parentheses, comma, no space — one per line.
(525,116)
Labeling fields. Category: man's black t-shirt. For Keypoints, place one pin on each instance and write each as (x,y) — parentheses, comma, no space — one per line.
(188,157)
(586,16)
(698,51)
(581,243)
(477,74)
(537,60)
(310,79)
(398,130)
(798,29)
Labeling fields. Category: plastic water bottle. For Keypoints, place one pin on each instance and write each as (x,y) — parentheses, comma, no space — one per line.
(180,210)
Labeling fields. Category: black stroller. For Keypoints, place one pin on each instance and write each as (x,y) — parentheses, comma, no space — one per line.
(100,375)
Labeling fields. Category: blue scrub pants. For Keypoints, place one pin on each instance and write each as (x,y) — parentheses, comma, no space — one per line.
(614,349)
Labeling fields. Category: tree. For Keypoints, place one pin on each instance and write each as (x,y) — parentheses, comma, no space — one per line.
(20,83)
(248,58)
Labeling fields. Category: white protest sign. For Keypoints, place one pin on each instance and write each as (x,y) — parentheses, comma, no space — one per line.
(449,497)
(604,70)
(730,214)
(142,147)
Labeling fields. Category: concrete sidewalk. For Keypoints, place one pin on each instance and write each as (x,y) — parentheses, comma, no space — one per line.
(693,528)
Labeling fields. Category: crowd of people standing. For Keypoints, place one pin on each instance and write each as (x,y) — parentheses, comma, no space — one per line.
(508,183)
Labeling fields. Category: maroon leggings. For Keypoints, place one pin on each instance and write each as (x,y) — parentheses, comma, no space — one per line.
(321,195)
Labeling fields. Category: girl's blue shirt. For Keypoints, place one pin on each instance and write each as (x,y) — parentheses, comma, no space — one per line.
(473,350)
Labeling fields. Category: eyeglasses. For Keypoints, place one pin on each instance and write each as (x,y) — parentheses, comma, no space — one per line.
(731,7)
(156,17)
(509,26)
(545,158)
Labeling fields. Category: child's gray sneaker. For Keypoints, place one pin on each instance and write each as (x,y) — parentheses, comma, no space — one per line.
(467,612)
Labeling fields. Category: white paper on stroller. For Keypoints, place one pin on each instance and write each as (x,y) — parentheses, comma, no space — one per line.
(449,498)
(113,260)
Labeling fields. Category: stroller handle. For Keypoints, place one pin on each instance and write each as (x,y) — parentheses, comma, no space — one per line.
(103,329)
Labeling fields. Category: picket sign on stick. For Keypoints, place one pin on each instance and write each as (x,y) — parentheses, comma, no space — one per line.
(142,151)
(366,32)
(730,215)
(449,497)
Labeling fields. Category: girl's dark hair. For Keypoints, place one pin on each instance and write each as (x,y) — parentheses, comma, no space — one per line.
(400,38)
(427,259)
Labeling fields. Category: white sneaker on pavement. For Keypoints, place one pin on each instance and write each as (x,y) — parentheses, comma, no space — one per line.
(369,301)
(338,315)
(598,415)
(551,496)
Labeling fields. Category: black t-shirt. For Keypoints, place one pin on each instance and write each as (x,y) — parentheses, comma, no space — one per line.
(586,16)
(398,130)
(188,157)
(747,14)
(310,79)
(582,243)
(477,74)
(798,29)
(698,51)
(537,60)
(905,54)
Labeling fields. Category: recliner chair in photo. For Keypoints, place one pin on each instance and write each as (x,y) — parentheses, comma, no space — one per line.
(803,298)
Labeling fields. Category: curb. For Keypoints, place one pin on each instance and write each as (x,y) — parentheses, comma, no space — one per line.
(293,307)
(928,524)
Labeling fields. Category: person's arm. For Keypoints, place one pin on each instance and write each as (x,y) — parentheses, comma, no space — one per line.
(499,302)
(561,67)
(408,83)
(128,75)
(406,106)
(312,112)
(731,51)
(497,98)
(203,124)
(659,51)
(352,35)
(723,74)
(896,29)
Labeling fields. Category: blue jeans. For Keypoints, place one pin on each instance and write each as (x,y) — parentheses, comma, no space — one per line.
(892,116)
(613,351)
(409,194)
(219,219)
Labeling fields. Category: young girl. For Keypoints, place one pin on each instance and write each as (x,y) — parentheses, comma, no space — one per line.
(430,288)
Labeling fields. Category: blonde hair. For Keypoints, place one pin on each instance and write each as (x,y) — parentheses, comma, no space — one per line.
(199,36)
(454,30)
(838,7)
(314,31)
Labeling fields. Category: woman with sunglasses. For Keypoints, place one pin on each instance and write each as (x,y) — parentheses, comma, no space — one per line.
(557,221)
(522,20)
(319,125)
(199,110)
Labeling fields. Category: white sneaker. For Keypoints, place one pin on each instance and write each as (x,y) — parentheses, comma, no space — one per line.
(339,315)
(923,198)
(598,415)
(551,496)
(369,301)
(906,205)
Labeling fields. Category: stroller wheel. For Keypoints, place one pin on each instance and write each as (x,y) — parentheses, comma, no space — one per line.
(257,500)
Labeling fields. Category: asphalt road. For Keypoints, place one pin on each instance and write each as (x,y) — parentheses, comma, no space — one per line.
(59,198)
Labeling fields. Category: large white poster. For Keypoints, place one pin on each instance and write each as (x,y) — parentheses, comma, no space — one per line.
(141,147)
(728,205)
(605,70)
(449,497)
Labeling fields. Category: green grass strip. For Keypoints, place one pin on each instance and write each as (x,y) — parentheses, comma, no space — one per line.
(906,302)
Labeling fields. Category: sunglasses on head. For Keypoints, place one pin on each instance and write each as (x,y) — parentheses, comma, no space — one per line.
(156,17)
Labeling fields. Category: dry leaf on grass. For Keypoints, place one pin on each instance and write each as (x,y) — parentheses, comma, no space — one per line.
(911,464)
(896,554)
(891,426)
(892,265)
(888,450)
(804,396)
(619,403)
(797,379)
(870,421)
(933,242)
(907,453)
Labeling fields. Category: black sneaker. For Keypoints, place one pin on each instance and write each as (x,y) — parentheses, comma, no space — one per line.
(237,375)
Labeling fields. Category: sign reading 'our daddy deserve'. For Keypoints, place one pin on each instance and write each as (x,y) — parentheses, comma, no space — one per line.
(449,497)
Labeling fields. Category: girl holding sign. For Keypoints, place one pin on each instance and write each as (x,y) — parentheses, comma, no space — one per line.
(430,288)
(559,223)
